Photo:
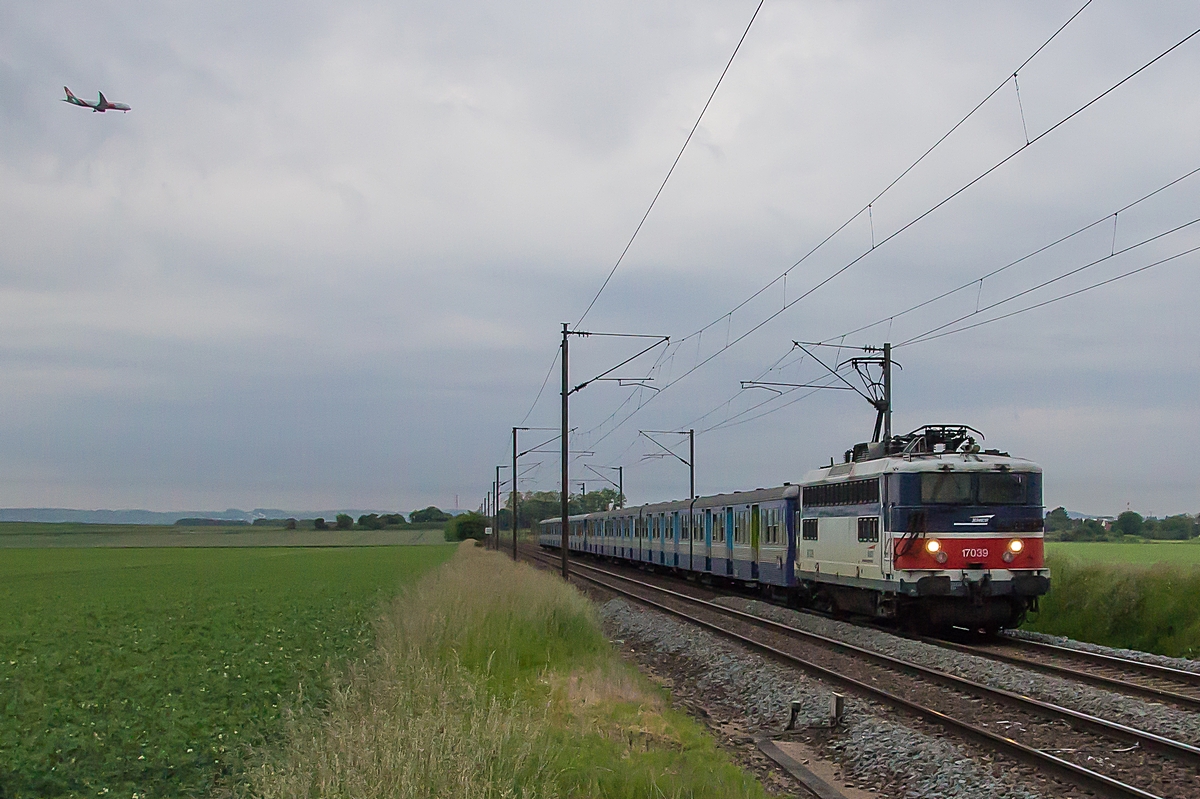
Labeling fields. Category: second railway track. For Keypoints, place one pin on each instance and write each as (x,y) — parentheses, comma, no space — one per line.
(1145,765)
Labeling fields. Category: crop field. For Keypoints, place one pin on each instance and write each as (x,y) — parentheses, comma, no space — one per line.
(1146,553)
(151,672)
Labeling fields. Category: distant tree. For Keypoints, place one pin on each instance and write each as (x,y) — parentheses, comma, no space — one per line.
(1129,523)
(393,519)
(344,521)
(430,514)
(1058,520)
(1172,528)
(594,501)
(319,524)
(538,505)
(370,521)
(290,524)
(1084,530)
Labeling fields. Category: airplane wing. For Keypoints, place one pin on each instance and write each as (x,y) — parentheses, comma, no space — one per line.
(104,104)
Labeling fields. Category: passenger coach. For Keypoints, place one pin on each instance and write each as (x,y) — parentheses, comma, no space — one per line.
(927,530)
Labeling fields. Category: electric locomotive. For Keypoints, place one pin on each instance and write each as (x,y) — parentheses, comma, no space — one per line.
(925,528)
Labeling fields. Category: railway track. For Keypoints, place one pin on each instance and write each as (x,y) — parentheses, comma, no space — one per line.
(1127,676)
(1148,765)
(1123,675)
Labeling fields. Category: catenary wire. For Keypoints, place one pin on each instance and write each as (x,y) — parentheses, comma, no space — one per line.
(674,163)
(866,208)
(939,332)
(945,294)
(1023,258)
(928,334)
(1052,300)
(897,232)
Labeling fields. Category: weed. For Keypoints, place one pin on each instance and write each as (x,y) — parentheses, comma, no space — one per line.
(491,679)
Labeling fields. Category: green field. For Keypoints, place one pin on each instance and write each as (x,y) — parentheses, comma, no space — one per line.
(1145,553)
(149,672)
(1135,596)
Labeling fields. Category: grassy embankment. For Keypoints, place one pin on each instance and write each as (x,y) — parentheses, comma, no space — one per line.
(149,672)
(490,679)
(1142,596)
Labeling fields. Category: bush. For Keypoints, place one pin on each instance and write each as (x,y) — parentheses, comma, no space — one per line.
(1152,609)
(370,521)
(319,524)
(344,521)
(464,526)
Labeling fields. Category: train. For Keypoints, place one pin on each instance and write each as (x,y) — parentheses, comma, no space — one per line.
(927,530)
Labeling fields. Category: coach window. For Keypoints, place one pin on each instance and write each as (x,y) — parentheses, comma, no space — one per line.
(808,530)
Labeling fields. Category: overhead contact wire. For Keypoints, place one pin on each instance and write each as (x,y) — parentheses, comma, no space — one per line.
(912,222)
(674,163)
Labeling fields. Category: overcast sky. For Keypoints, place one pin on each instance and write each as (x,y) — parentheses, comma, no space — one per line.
(324,260)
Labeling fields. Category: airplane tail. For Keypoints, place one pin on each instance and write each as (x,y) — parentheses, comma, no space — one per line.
(102,100)
(68,91)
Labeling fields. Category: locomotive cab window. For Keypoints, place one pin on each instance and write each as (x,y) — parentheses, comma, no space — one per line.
(947,488)
(1005,488)
(965,488)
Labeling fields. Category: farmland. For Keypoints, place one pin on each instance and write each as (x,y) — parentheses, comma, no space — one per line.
(150,672)
(1145,553)
(1137,596)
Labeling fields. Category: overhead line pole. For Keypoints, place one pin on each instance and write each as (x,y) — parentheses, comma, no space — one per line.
(567,391)
(563,497)
(692,460)
(514,494)
(887,395)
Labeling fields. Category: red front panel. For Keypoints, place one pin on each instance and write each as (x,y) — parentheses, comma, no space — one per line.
(964,552)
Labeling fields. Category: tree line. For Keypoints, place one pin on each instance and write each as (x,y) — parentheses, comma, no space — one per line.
(1061,527)
(532,507)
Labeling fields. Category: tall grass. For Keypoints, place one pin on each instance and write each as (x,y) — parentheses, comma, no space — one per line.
(1149,608)
(491,679)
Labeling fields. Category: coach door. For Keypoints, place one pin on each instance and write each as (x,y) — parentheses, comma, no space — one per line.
(755,528)
(708,539)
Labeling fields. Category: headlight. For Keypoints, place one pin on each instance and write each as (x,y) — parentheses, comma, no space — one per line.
(1016,545)
(934,547)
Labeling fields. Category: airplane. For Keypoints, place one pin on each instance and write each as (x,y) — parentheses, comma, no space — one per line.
(100,105)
